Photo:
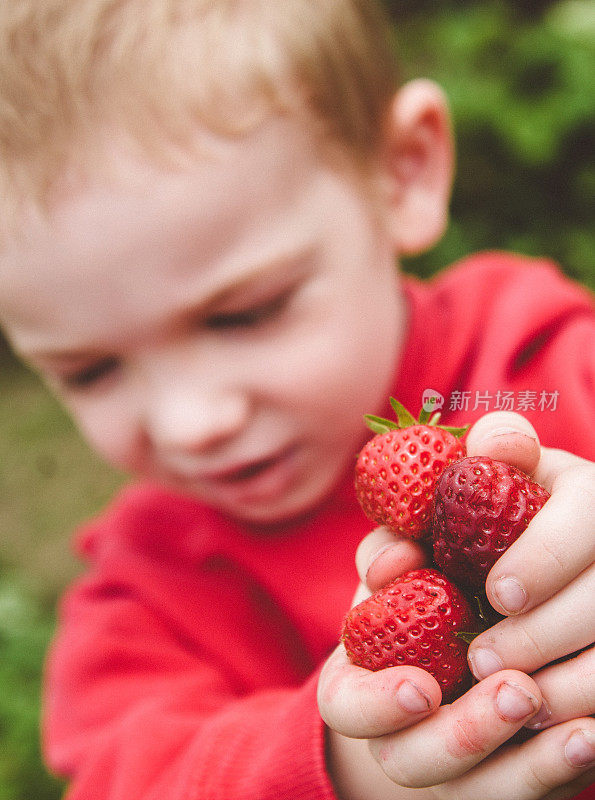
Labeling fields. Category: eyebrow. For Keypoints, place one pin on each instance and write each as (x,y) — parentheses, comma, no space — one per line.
(238,285)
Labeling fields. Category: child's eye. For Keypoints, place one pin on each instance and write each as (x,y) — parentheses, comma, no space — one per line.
(89,375)
(248,317)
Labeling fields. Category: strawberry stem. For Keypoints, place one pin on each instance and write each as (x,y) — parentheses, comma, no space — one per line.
(481,610)
(469,636)
(405,419)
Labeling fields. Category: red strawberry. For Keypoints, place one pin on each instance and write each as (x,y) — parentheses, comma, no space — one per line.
(414,620)
(397,470)
(481,507)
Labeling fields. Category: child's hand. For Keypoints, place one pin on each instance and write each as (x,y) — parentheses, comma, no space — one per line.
(545,582)
(449,752)
(450,748)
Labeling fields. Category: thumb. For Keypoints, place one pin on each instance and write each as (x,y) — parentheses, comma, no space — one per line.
(505,436)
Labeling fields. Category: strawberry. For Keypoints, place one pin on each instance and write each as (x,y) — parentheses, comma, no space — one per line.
(481,507)
(414,620)
(397,469)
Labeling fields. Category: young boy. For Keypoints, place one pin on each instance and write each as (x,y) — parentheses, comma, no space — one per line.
(202,206)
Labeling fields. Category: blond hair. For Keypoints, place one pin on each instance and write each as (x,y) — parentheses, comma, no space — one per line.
(71,67)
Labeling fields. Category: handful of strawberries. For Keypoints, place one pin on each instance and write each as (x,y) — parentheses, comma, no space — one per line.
(414,477)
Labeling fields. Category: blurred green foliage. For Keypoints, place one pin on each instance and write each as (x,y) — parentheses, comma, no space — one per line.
(24,633)
(49,482)
(520,78)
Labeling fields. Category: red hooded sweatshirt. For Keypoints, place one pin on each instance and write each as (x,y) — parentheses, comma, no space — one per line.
(186,659)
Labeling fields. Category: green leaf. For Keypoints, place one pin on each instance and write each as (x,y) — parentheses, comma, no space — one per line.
(467,636)
(458,432)
(424,417)
(405,418)
(379,424)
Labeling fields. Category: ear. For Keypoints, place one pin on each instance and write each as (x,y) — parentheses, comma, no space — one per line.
(418,166)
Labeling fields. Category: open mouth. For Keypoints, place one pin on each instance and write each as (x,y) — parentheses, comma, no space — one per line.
(262,480)
(255,469)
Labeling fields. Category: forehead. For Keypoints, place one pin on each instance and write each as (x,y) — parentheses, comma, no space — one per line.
(146,232)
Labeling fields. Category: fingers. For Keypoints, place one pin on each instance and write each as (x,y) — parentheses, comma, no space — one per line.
(359,703)
(554,464)
(559,542)
(554,765)
(460,750)
(505,436)
(567,689)
(531,640)
(463,733)
(383,555)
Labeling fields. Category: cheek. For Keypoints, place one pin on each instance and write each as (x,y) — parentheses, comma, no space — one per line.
(359,380)
(334,376)
(347,362)
(109,433)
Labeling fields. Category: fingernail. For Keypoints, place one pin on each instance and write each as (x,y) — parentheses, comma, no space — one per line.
(377,555)
(484,663)
(580,748)
(412,699)
(540,718)
(510,594)
(505,430)
(514,703)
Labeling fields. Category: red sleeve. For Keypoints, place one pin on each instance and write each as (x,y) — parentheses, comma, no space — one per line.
(175,673)
(134,712)
(498,325)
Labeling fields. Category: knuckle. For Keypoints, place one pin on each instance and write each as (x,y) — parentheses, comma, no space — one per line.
(585,679)
(554,554)
(465,739)
(534,643)
(401,771)
(536,779)
(581,477)
(369,714)
(324,699)
(332,694)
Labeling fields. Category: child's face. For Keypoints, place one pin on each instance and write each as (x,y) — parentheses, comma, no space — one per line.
(222,327)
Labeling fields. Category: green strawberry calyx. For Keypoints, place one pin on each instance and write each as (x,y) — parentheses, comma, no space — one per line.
(486,615)
(405,419)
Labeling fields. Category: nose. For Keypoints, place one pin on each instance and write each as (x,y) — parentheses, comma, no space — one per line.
(186,421)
